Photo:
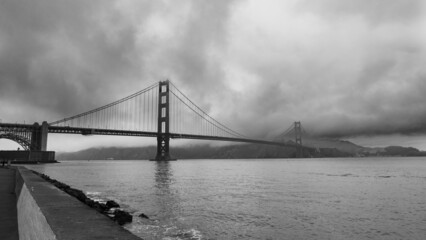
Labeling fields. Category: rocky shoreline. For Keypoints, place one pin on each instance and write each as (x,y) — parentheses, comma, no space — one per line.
(110,209)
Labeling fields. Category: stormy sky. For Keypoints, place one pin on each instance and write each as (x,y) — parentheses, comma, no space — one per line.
(348,69)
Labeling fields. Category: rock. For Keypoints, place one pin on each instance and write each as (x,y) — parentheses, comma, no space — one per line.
(112,204)
(90,202)
(61,185)
(142,215)
(100,207)
(76,193)
(122,217)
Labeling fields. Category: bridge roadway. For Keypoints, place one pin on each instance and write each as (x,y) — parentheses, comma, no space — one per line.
(113,132)
(17,126)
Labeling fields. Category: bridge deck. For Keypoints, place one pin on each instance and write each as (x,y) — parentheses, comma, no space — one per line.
(228,139)
(116,132)
(96,131)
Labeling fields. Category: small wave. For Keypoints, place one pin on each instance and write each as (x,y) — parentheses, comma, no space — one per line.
(95,196)
(93,193)
(342,175)
(191,234)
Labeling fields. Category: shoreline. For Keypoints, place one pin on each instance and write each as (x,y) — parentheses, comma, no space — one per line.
(110,209)
(45,211)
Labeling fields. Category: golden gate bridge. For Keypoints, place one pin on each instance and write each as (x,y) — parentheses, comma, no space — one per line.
(160,110)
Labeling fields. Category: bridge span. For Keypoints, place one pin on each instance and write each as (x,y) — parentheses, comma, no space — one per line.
(160,111)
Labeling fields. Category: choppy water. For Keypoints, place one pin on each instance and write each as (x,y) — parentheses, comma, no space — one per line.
(351,198)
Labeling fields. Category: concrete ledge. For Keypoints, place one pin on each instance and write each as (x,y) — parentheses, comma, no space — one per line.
(32,223)
(45,212)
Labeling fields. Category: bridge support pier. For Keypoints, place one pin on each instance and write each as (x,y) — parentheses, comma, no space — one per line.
(163,137)
(163,152)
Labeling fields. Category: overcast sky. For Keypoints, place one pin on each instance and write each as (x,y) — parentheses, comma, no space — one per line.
(344,68)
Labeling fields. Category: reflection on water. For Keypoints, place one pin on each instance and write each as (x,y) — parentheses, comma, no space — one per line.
(166,197)
(168,222)
(163,176)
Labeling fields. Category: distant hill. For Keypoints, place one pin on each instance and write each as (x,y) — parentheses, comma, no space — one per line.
(109,153)
(195,152)
(341,145)
(402,151)
(360,151)
(323,148)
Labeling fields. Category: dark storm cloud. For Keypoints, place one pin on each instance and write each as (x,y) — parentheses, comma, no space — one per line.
(61,56)
(66,57)
(341,67)
(373,11)
(188,58)
(387,92)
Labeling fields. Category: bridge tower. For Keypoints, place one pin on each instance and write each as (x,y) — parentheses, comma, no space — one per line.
(39,137)
(298,135)
(163,137)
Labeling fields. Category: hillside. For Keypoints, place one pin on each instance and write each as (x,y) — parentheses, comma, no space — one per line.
(196,152)
(341,145)
(323,148)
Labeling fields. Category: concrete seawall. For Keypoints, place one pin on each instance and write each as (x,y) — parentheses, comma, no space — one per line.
(45,212)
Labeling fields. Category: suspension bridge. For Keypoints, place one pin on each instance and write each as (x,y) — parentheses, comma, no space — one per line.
(160,110)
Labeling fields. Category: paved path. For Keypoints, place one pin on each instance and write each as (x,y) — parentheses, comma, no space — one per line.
(8,215)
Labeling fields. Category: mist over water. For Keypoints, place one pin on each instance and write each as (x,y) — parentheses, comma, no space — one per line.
(354,198)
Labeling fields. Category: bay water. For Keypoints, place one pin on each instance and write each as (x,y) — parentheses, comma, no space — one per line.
(336,198)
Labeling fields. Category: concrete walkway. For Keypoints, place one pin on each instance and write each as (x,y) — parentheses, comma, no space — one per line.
(8,214)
